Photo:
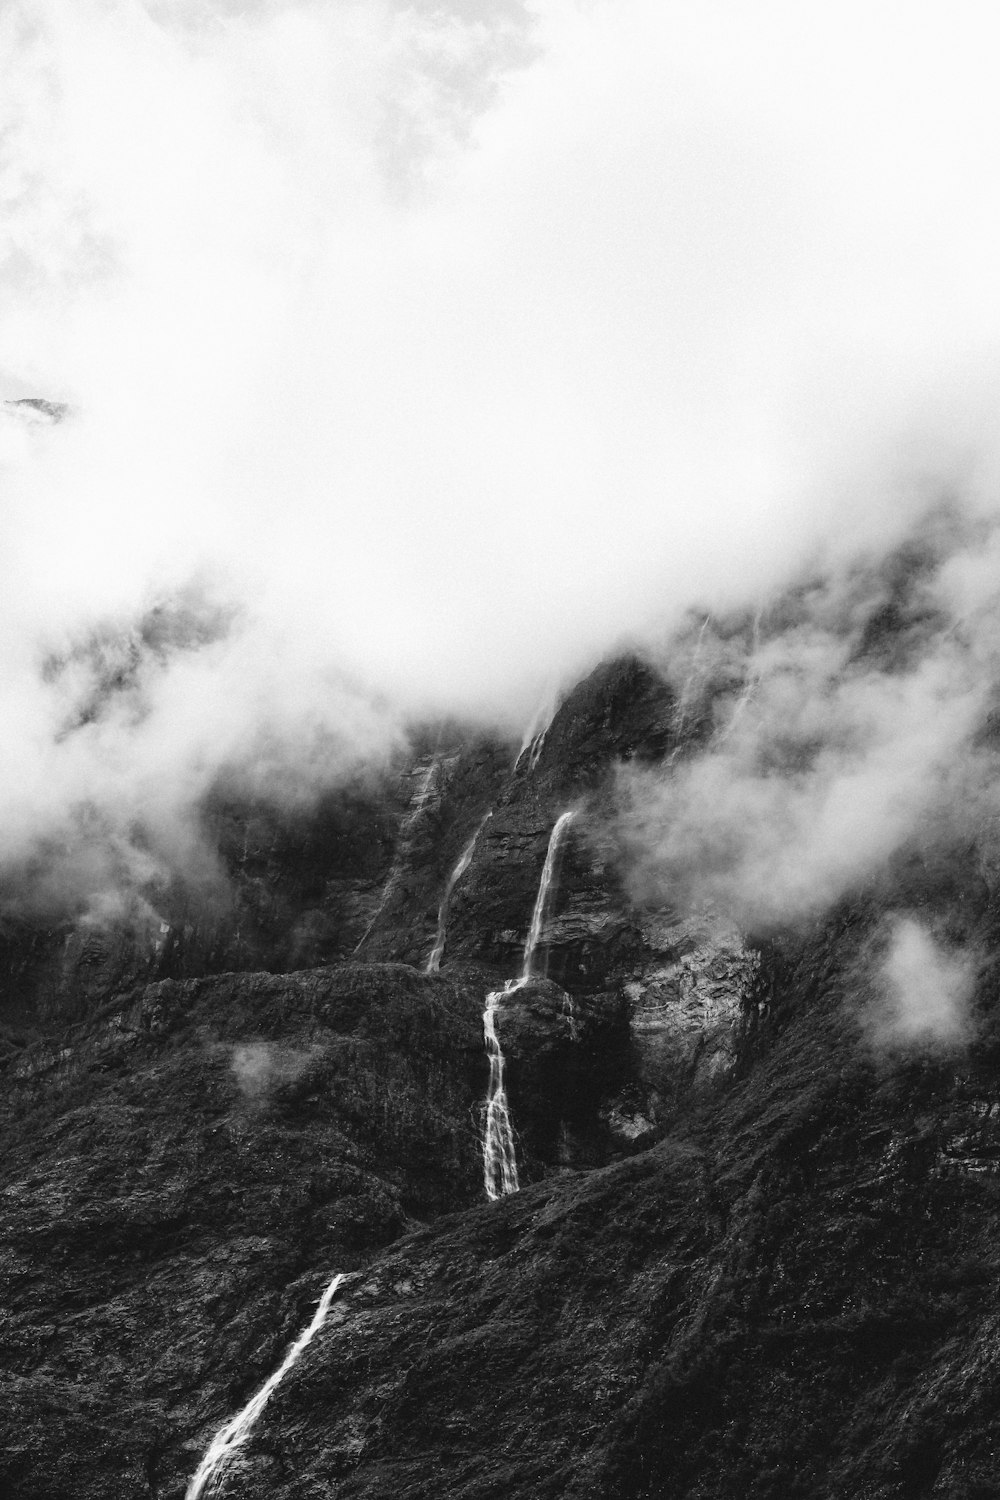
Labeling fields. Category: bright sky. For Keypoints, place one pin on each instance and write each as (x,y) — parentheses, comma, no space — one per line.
(459,341)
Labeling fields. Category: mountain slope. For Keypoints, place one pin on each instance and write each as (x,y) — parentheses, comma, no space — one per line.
(755,1249)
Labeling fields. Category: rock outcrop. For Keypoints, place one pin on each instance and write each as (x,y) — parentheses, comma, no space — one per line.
(752,1254)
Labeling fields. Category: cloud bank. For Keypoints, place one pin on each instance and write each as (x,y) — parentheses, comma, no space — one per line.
(852,722)
(398,338)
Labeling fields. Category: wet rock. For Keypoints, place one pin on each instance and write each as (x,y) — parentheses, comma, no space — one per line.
(563,1056)
(168,1177)
(751,1253)
(631,1118)
(687,1013)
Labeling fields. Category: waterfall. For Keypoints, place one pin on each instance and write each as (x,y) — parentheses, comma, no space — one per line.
(538,728)
(236,1431)
(538,915)
(499,1157)
(535,729)
(680,718)
(750,685)
(532,747)
(417,804)
(537,746)
(464,860)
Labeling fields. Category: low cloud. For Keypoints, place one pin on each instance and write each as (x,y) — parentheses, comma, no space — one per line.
(839,728)
(922,991)
(399,338)
(120,733)
(261,1067)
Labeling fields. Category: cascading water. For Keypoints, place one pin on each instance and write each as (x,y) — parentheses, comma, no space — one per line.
(236,1431)
(684,700)
(465,859)
(499,1157)
(750,686)
(417,805)
(538,728)
(538,915)
(533,745)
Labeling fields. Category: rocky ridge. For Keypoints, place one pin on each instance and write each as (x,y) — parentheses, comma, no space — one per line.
(750,1255)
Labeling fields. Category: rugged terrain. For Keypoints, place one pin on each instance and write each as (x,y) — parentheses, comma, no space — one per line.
(752,1254)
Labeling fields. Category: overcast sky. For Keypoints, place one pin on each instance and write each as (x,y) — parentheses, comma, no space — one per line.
(452,343)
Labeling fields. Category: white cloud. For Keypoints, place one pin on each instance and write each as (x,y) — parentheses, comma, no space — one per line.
(431,333)
(261,1067)
(923,991)
(839,729)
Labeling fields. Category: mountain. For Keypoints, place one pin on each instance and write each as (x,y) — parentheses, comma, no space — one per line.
(754,1248)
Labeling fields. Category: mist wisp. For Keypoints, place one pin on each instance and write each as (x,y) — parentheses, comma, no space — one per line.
(922,991)
(388,341)
(262,1067)
(844,726)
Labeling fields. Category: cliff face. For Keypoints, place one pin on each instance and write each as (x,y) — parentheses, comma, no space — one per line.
(751,1255)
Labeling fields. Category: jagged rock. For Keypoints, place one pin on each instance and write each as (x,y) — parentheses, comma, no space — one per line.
(631,1118)
(563,1057)
(171,1173)
(461,787)
(752,1253)
(687,1014)
(789,1293)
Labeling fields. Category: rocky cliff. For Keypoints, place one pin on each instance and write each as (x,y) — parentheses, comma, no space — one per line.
(753,1252)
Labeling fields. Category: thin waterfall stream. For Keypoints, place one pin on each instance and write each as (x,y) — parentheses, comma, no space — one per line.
(464,861)
(499,1156)
(235,1432)
(538,727)
(409,823)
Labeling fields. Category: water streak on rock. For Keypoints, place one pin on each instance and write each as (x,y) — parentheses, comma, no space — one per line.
(499,1155)
(234,1434)
(538,915)
(464,860)
(538,728)
(417,805)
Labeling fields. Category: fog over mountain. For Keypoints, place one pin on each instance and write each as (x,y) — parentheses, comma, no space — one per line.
(416,357)
(499,750)
(852,720)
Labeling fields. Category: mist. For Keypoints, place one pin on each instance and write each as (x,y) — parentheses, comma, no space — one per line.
(846,726)
(922,991)
(396,339)
(261,1068)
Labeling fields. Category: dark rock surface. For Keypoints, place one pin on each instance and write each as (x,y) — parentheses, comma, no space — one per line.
(795,1295)
(175,1169)
(751,1256)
